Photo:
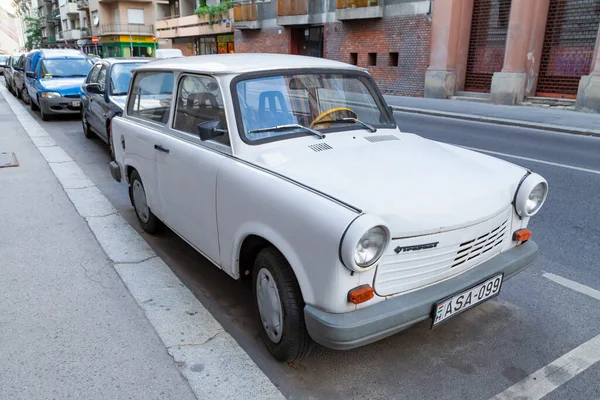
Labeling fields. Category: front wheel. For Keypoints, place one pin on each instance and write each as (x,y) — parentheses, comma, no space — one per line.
(147,219)
(32,104)
(45,117)
(25,95)
(87,132)
(280,307)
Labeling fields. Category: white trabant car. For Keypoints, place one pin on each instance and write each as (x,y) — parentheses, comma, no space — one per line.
(291,171)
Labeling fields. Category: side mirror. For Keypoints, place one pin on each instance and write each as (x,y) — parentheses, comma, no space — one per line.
(210,129)
(30,74)
(93,88)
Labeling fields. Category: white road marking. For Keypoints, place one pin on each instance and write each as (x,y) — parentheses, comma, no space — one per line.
(591,171)
(555,374)
(578,287)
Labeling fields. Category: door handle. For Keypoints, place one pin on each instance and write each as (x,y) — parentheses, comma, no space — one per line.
(160,148)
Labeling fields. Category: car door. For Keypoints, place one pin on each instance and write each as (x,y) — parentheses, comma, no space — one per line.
(96,103)
(187,167)
(85,95)
(148,111)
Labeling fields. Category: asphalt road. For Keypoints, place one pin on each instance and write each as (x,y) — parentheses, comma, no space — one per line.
(481,353)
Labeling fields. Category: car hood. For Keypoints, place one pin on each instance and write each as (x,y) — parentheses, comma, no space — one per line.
(119,101)
(417,186)
(63,85)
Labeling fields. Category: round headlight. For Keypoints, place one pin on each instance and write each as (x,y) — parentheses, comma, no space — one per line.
(370,247)
(531,195)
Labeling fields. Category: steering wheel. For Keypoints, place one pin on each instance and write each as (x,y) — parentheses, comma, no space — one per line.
(344,112)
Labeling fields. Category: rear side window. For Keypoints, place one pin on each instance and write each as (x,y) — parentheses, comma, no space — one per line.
(93,76)
(151,96)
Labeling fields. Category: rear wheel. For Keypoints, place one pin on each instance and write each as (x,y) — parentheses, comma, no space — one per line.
(45,117)
(280,307)
(147,219)
(87,132)
(25,95)
(111,145)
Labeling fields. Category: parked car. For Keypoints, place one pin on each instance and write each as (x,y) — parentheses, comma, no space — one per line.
(168,53)
(103,95)
(18,78)
(3,63)
(53,80)
(9,71)
(291,170)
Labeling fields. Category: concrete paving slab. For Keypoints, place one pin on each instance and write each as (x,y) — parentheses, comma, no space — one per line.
(70,175)
(54,154)
(43,141)
(90,202)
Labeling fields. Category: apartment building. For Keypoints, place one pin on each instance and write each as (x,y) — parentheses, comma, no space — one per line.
(178,26)
(389,37)
(9,32)
(123,28)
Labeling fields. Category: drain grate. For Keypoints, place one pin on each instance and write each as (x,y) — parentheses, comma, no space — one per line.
(8,160)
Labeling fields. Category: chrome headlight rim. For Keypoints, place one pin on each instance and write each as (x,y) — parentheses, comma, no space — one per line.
(356,232)
(529,183)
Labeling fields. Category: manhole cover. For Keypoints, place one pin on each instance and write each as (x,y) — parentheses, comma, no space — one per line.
(8,160)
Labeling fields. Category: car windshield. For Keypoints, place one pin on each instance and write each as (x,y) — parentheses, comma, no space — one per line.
(66,68)
(323,101)
(3,59)
(120,76)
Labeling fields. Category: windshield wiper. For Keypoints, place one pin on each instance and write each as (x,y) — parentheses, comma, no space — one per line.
(369,127)
(287,128)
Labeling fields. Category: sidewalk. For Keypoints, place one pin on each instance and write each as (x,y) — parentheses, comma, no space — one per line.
(527,117)
(87,309)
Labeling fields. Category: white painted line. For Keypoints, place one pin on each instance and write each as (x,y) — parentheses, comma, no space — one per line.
(555,374)
(591,171)
(578,287)
(213,363)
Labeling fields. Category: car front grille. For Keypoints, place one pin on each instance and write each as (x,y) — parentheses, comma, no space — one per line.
(456,251)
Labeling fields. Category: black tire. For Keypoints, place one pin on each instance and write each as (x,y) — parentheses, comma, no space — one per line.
(111,145)
(295,342)
(87,132)
(32,104)
(45,117)
(24,95)
(17,93)
(149,223)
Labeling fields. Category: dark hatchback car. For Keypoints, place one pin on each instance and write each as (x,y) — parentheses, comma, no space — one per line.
(103,95)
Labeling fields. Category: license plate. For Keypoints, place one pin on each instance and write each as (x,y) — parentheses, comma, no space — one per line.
(457,303)
(76,103)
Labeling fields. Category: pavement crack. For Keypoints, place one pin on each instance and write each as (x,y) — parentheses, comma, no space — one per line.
(135,262)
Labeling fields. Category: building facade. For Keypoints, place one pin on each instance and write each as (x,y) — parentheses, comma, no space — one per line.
(516,49)
(389,37)
(9,32)
(178,26)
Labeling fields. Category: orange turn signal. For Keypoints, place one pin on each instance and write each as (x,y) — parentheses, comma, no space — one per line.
(361,294)
(522,235)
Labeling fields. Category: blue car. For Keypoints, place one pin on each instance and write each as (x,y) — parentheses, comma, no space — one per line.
(53,80)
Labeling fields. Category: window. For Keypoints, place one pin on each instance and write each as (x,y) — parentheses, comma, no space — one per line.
(93,76)
(354,58)
(372,59)
(102,78)
(135,15)
(323,101)
(151,96)
(120,76)
(199,100)
(66,68)
(393,59)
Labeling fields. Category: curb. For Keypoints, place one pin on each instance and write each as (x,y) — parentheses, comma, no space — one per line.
(500,121)
(210,360)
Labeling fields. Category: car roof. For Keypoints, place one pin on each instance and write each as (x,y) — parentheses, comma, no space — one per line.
(244,62)
(123,60)
(61,53)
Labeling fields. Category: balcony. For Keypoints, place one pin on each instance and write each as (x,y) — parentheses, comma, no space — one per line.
(44,20)
(72,34)
(192,25)
(82,4)
(126,29)
(245,15)
(358,9)
(71,8)
(293,12)
(86,33)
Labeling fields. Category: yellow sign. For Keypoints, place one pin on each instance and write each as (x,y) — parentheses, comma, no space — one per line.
(136,39)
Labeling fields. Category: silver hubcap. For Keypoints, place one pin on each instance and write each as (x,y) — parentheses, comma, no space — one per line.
(269,305)
(139,199)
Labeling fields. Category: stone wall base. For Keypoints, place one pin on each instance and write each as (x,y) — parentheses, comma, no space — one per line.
(508,88)
(588,94)
(439,84)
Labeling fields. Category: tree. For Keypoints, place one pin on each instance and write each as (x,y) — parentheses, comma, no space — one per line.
(33,33)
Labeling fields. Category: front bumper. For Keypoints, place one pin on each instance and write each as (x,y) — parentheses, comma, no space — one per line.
(367,325)
(61,105)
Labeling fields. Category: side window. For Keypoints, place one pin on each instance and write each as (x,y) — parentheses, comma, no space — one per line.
(93,76)
(151,96)
(199,100)
(102,78)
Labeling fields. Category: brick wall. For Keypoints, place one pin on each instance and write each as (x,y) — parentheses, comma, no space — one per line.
(267,40)
(408,36)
